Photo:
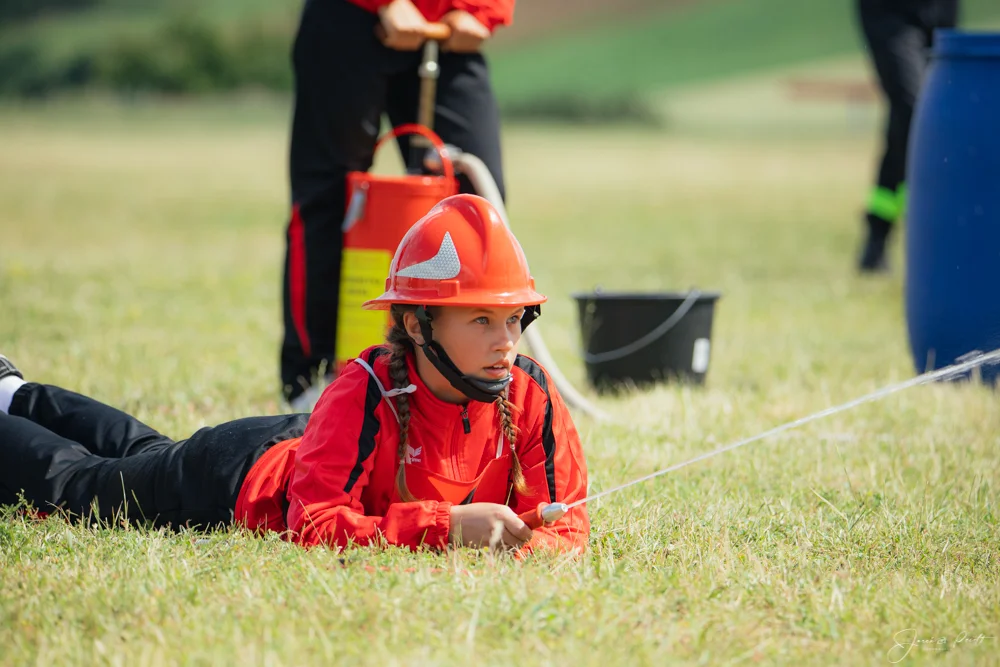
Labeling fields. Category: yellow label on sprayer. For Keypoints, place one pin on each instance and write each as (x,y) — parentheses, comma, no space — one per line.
(362,277)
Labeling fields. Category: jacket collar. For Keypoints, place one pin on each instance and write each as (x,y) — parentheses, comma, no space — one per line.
(436,411)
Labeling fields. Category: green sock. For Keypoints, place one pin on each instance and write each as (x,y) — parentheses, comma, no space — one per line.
(884,203)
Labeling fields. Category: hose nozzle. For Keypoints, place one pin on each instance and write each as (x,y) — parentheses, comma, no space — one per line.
(545,513)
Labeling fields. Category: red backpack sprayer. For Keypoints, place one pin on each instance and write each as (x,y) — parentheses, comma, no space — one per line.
(381,209)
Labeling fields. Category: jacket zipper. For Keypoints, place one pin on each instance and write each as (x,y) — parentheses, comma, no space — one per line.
(465,420)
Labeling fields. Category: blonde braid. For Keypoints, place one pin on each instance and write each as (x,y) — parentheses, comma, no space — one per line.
(510,432)
(401,344)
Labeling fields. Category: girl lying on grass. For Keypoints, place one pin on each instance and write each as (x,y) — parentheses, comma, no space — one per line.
(441,436)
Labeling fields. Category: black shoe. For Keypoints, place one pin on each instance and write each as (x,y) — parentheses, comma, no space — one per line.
(8,368)
(873,255)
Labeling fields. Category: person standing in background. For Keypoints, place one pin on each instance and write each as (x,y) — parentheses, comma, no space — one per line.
(345,79)
(899,35)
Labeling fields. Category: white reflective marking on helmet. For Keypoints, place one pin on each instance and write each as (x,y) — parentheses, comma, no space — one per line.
(445,265)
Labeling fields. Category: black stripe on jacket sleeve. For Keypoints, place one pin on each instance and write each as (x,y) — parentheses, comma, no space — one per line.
(370,425)
(548,439)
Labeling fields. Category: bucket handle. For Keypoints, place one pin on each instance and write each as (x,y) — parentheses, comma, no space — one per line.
(415,128)
(654,335)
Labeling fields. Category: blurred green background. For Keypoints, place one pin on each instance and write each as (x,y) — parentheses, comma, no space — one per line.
(583,60)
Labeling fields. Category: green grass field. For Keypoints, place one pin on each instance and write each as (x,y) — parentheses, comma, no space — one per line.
(140,257)
(635,52)
(679,46)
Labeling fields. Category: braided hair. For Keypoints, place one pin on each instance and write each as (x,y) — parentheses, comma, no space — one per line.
(400,345)
(510,432)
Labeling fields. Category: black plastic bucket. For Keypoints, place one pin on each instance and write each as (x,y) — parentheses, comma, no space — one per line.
(636,340)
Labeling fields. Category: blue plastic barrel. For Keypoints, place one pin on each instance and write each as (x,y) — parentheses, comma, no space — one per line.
(953,212)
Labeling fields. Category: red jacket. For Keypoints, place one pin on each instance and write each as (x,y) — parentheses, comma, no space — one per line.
(336,484)
(491,13)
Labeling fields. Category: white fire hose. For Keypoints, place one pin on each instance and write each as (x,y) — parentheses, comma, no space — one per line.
(482,180)
(479,176)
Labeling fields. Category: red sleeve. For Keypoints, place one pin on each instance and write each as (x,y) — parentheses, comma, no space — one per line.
(332,467)
(552,456)
(370,5)
(491,13)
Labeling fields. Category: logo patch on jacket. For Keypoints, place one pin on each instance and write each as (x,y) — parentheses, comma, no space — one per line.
(413,455)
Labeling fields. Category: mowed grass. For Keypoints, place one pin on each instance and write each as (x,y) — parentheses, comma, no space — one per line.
(140,258)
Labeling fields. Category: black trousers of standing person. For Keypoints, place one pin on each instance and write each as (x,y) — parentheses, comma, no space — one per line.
(899,35)
(345,79)
(61,450)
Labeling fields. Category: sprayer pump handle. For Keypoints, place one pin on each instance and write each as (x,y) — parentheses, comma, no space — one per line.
(437,32)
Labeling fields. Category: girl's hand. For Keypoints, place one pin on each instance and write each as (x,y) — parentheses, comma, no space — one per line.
(467,34)
(487,524)
(403,24)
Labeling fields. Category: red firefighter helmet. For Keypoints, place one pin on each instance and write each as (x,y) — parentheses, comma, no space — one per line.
(460,254)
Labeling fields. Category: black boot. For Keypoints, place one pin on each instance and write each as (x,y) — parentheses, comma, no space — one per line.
(8,368)
(873,255)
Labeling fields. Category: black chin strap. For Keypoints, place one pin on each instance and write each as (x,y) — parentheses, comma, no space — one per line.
(485,391)
(531,313)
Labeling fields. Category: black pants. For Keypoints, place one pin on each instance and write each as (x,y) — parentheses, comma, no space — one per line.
(344,81)
(899,34)
(63,450)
